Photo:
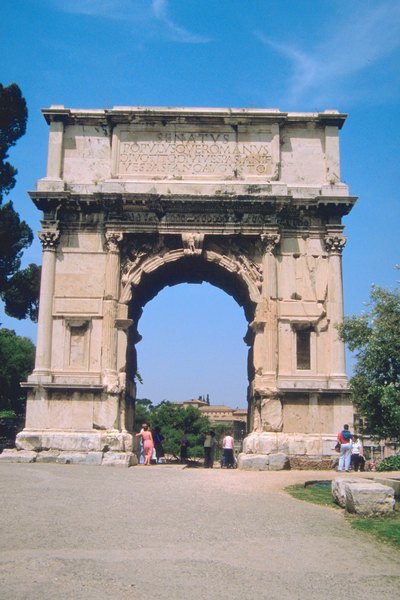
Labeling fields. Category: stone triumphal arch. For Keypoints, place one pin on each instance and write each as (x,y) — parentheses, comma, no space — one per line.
(139,198)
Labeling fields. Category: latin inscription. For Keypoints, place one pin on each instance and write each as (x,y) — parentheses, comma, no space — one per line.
(193,154)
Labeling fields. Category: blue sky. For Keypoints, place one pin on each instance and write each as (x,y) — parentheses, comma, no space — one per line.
(296,56)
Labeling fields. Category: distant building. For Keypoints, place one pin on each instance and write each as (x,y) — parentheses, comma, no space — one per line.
(235,417)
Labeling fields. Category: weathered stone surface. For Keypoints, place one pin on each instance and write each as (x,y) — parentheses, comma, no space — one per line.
(253,462)
(266,443)
(339,489)
(363,496)
(27,441)
(278,462)
(80,458)
(119,459)
(18,456)
(47,456)
(369,500)
(391,482)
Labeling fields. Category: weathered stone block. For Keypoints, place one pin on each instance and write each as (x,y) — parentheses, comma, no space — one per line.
(119,459)
(47,456)
(80,458)
(391,482)
(278,462)
(18,456)
(27,441)
(253,462)
(339,489)
(249,443)
(266,443)
(369,499)
(363,496)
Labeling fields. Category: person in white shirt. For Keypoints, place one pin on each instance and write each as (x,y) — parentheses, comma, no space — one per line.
(228,445)
(357,454)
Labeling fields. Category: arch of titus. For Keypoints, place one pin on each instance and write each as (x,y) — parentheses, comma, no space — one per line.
(136,199)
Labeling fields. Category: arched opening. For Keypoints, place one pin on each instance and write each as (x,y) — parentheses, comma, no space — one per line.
(192,270)
(192,344)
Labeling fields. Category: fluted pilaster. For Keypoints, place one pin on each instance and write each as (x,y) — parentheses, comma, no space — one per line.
(334,244)
(111,293)
(49,240)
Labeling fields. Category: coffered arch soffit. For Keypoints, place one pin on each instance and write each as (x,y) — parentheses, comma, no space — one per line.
(150,270)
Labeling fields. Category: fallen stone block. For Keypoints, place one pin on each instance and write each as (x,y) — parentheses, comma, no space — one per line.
(253,462)
(368,500)
(339,489)
(391,482)
(18,456)
(363,496)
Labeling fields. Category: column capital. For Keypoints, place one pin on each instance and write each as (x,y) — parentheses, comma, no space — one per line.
(113,240)
(334,243)
(270,240)
(49,239)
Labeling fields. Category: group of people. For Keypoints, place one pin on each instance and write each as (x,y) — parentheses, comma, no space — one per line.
(351,451)
(152,449)
(151,445)
(210,443)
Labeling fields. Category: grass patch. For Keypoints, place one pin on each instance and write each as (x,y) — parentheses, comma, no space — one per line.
(385,529)
(318,493)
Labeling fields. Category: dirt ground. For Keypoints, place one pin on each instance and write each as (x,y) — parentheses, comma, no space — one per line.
(167,532)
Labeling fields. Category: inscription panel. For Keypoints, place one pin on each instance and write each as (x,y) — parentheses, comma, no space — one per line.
(195,153)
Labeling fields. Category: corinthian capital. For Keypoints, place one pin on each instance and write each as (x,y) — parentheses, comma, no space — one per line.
(334,243)
(49,239)
(270,240)
(113,240)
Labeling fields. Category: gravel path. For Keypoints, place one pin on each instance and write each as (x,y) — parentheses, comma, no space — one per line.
(167,532)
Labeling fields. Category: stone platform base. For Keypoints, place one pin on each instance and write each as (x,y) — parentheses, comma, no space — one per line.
(112,459)
(273,451)
(75,441)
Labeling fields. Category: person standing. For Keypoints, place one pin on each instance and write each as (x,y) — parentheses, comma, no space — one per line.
(148,444)
(213,446)
(207,449)
(228,444)
(184,443)
(357,454)
(345,440)
(158,439)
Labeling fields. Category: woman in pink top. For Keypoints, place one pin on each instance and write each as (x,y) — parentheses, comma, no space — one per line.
(148,443)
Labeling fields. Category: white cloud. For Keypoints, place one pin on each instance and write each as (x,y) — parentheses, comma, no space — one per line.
(136,12)
(358,42)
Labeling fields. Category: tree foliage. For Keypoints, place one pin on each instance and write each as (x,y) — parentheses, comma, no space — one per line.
(13,118)
(174,420)
(19,289)
(17,357)
(375,385)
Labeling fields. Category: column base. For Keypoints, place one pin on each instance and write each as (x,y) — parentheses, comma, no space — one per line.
(74,441)
(277,451)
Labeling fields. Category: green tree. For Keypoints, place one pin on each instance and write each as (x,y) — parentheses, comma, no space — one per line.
(17,357)
(375,385)
(19,289)
(174,421)
(13,118)
(143,408)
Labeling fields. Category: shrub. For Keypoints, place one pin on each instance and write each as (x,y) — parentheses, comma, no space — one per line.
(391,463)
